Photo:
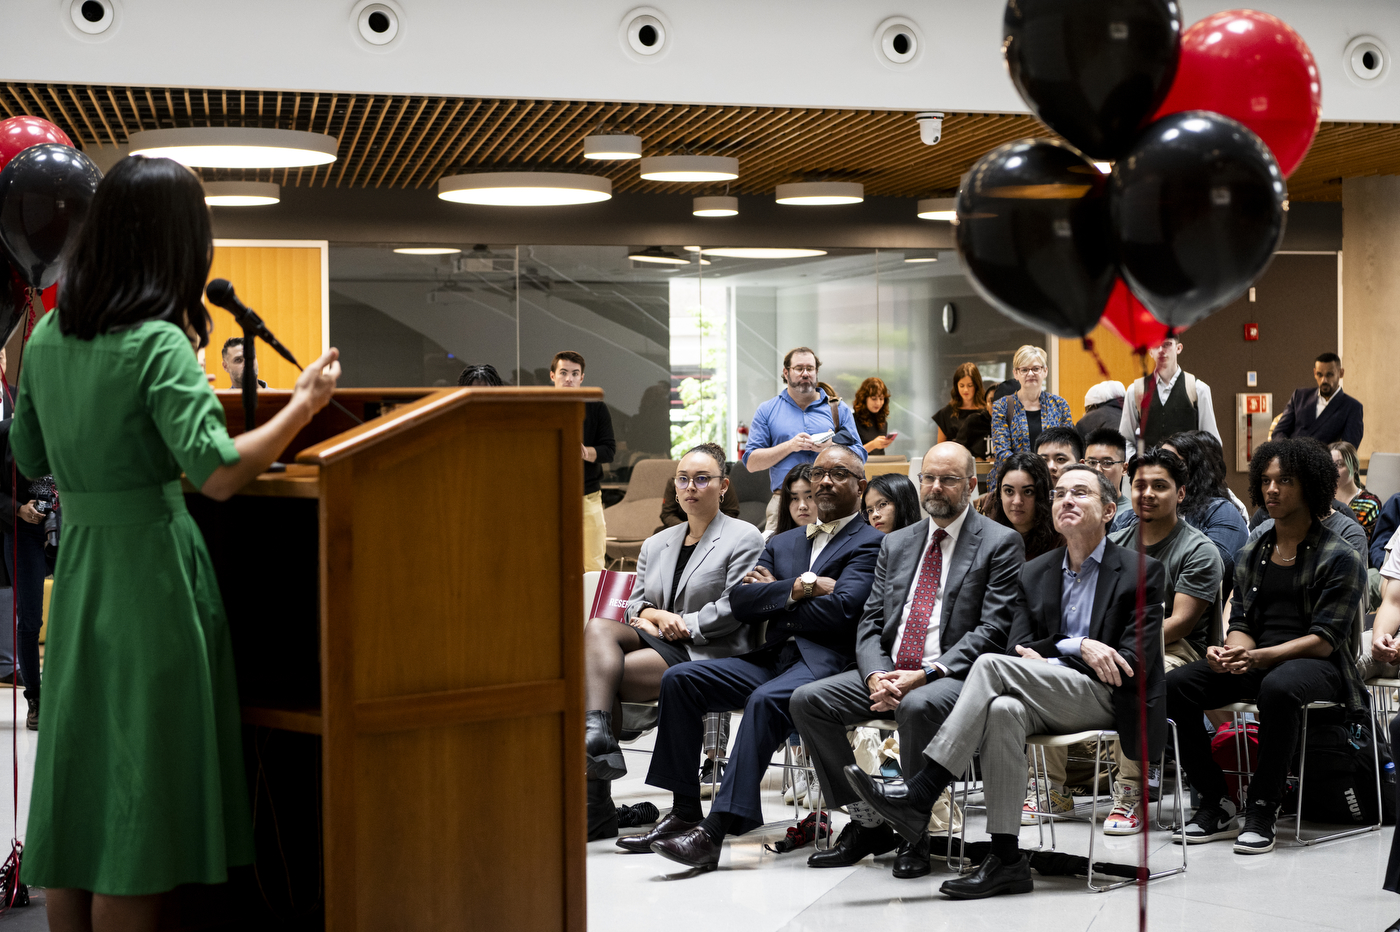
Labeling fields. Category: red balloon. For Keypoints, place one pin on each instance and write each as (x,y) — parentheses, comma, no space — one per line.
(21,132)
(1130,321)
(1254,68)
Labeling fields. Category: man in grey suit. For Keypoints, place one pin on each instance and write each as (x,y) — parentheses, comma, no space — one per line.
(944,594)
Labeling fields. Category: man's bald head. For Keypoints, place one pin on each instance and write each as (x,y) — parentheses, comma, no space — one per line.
(838,483)
(841,456)
(949,459)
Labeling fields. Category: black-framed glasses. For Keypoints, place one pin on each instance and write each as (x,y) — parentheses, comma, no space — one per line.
(1028,370)
(837,474)
(700,482)
(1102,464)
(945,481)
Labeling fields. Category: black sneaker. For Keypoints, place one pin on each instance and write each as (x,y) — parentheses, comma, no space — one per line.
(1258,834)
(708,773)
(1209,823)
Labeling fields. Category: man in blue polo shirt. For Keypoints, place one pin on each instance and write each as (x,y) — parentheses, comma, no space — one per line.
(784,427)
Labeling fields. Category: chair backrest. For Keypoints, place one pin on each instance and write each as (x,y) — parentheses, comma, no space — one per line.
(749,486)
(1383,475)
(880,466)
(605,594)
(649,479)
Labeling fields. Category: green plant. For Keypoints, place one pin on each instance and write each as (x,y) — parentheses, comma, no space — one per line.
(704,401)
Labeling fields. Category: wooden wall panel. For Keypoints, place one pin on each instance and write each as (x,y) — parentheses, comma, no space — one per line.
(1079,372)
(284,283)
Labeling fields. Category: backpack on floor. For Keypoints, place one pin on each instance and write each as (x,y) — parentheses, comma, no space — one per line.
(1339,776)
(1224,749)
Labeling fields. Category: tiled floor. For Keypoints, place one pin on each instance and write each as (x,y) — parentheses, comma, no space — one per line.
(1332,886)
(30,917)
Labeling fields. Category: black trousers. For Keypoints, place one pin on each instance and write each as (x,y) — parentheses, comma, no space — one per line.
(1280,692)
(27,549)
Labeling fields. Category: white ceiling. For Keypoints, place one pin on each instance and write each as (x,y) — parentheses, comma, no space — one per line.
(813,53)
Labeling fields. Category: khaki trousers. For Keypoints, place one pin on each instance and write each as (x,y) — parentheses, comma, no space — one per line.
(771,514)
(595,533)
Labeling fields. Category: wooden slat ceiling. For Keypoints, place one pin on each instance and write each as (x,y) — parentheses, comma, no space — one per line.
(395,141)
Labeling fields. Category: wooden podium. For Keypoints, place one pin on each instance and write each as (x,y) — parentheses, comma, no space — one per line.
(405,607)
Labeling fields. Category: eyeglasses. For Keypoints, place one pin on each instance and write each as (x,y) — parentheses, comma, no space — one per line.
(700,482)
(837,474)
(947,481)
(803,370)
(1079,495)
(1102,464)
(1031,370)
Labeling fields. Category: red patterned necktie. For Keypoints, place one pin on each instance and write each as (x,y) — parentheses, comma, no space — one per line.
(911,648)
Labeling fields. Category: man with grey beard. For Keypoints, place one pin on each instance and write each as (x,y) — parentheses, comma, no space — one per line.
(944,594)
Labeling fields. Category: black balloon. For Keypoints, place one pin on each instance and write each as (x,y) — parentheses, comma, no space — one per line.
(1094,71)
(44,196)
(1033,231)
(1198,209)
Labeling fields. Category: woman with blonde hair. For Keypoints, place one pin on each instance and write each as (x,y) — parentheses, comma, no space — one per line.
(966,418)
(872,411)
(1018,419)
(1365,505)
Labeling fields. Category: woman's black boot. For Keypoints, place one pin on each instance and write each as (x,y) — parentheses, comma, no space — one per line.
(602,814)
(604,755)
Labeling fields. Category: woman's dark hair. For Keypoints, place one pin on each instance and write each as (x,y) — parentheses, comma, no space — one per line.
(1307,461)
(899,491)
(714,451)
(969,370)
(480,375)
(143,253)
(803,472)
(1205,470)
(1042,537)
(871,387)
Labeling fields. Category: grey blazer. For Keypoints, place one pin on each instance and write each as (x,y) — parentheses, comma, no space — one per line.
(729,548)
(978,602)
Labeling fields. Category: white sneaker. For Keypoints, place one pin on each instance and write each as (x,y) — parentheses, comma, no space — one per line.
(1125,818)
(1060,804)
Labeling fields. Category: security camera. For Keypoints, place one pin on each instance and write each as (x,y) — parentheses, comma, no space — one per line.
(930,126)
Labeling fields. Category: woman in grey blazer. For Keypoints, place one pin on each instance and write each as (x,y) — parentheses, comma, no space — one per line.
(679,611)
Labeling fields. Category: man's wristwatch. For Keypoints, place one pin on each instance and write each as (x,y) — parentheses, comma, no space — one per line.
(809,583)
(930,673)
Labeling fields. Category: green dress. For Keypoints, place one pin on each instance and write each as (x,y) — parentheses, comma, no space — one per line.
(139,783)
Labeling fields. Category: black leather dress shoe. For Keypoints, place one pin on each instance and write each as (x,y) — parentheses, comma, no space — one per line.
(695,849)
(992,878)
(891,803)
(641,844)
(604,754)
(913,861)
(855,842)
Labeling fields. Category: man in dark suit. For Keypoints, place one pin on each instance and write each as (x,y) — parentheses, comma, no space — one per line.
(1074,669)
(809,587)
(944,594)
(1326,413)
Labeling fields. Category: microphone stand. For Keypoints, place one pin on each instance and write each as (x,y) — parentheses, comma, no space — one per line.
(250,377)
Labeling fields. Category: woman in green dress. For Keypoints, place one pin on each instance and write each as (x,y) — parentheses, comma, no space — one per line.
(138,778)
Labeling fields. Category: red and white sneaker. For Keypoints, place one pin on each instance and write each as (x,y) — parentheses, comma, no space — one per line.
(1126,816)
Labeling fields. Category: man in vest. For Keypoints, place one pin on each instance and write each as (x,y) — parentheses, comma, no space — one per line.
(1179,401)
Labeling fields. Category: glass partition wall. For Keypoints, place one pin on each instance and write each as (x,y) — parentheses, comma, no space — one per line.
(686,348)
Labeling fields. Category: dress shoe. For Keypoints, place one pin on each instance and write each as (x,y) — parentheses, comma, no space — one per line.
(32,720)
(641,844)
(602,812)
(695,849)
(913,861)
(992,878)
(891,802)
(855,842)
(604,755)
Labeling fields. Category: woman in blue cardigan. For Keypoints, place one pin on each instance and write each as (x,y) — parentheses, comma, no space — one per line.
(1018,419)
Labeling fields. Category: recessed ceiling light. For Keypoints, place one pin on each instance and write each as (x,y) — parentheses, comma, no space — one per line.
(938,208)
(719,206)
(691,248)
(920,255)
(236,147)
(524,189)
(657,255)
(758,252)
(427,250)
(820,193)
(690,168)
(241,193)
(612,148)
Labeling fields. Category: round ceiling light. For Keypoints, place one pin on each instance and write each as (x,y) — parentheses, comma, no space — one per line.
(241,193)
(427,250)
(612,148)
(524,189)
(938,208)
(690,168)
(236,147)
(657,255)
(759,252)
(921,255)
(718,206)
(821,193)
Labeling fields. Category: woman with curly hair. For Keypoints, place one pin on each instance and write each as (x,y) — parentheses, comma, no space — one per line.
(872,411)
(966,418)
(1350,492)
(1021,501)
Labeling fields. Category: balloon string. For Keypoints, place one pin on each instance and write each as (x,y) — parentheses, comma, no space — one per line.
(1139,646)
(1098,360)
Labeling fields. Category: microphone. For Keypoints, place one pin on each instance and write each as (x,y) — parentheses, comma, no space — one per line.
(220,293)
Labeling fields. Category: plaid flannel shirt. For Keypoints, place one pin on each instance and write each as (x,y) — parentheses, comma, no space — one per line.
(1329,587)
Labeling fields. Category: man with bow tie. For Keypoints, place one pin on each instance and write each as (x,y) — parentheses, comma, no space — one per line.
(809,588)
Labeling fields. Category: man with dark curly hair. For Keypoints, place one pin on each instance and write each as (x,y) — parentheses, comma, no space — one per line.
(1298,588)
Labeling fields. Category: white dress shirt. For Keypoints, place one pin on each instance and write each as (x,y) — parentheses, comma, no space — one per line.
(932,645)
(821,540)
(1205,406)
(1322,403)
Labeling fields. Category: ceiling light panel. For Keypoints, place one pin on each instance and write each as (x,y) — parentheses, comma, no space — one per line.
(524,189)
(690,168)
(612,148)
(236,147)
(241,193)
(820,193)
